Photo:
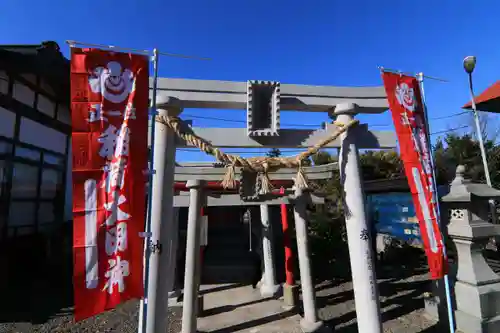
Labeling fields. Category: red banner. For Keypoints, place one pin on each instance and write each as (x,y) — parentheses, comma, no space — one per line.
(405,102)
(109,104)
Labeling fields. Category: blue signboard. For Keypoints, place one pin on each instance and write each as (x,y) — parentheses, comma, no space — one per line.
(394,214)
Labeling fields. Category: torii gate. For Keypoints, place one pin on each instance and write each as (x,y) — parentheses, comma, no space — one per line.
(263,101)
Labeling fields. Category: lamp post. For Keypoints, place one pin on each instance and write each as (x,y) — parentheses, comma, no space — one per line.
(469,65)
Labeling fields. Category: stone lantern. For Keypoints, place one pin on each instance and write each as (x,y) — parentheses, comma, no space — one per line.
(477,287)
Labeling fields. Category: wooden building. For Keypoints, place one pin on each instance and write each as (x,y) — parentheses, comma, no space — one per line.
(34,148)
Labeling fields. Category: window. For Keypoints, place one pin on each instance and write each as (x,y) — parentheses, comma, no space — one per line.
(45,105)
(22,213)
(8,122)
(24,181)
(51,181)
(5,147)
(28,153)
(38,135)
(23,94)
(53,159)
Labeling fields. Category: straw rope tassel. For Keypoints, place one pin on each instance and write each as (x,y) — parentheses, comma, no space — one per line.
(265,183)
(301,178)
(229,181)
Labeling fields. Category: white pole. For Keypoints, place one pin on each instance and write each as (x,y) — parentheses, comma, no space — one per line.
(152,115)
(420,78)
(361,255)
(481,146)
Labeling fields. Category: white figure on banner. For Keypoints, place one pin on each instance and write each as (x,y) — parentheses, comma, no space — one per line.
(122,141)
(112,82)
(114,142)
(115,275)
(113,207)
(406,96)
(130,111)
(116,239)
(96,113)
(114,175)
(108,141)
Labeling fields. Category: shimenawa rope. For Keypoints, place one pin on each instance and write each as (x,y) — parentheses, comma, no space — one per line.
(261,165)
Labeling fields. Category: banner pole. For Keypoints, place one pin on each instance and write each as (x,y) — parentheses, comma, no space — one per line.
(396,71)
(420,79)
(73,43)
(143,309)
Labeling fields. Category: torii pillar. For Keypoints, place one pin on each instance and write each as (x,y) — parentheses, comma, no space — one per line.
(158,271)
(193,268)
(269,286)
(310,323)
(361,254)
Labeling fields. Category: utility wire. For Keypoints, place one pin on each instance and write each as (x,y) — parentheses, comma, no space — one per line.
(311,125)
(242,121)
(450,130)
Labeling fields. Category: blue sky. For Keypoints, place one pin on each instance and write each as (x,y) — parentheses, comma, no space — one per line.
(328,42)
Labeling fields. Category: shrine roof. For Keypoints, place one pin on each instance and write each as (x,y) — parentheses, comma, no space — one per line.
(488,100)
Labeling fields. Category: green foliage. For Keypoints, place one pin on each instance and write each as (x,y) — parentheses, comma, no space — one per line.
(381,165)
(323,157)
(327,224)
(328,245)
(453,150)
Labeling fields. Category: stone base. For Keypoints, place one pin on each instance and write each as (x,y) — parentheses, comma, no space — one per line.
(174,298)
(175,303)
(467,323)
(431,307)
(290,295)
(316,327)
(269,291)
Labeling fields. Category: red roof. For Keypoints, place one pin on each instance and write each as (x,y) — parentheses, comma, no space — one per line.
(488,100)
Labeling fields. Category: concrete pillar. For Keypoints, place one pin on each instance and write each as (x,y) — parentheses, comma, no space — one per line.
(310,322)
(158,269)
(191,275)
(269,287)
(174,291)
(358,231)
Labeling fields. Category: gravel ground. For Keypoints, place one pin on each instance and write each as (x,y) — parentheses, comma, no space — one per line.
(46,307)
(122,319)
(401,305)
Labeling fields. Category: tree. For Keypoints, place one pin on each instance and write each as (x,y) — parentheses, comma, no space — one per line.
(323,157)
(454,149)
(488,125)
(381,165)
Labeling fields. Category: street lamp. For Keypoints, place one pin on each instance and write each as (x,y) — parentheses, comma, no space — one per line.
(469,65)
